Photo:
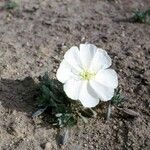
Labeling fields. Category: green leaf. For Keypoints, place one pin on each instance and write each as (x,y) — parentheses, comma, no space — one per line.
(117,98)
(52,96)
(142,16)
(10,5)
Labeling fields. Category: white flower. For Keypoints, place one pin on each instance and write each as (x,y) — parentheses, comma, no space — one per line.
(86,76)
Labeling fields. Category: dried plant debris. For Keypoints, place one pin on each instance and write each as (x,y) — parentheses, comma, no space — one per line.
(117,101)
(39,112)
(88,113)
(108,112)
(62,137)
(128,113)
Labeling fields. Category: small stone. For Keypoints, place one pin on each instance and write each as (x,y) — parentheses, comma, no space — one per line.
(14,112)
(114,127)
(91,147)
(138,55)
(120,123)
(83,39)
(48,146)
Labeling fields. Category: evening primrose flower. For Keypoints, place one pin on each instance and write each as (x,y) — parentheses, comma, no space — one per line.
(86,75)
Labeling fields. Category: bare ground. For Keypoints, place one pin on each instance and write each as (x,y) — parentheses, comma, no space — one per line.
(33,38)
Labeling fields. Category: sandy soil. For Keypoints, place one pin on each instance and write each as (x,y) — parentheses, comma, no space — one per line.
(33,38)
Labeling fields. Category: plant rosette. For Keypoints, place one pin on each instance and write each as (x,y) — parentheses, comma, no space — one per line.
(86,75)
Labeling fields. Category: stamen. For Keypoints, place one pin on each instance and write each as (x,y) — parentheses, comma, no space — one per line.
(86,75)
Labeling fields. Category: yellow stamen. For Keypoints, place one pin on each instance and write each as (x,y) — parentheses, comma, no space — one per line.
(86,75)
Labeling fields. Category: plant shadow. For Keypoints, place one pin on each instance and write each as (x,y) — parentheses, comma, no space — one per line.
(21,96)
(18,95)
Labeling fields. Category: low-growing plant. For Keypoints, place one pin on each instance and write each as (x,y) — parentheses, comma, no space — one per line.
(52,97)
(142,16)
(116,101)
(63,111)
(10,5)
(117,98)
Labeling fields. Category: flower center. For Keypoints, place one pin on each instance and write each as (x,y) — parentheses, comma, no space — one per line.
(86,75)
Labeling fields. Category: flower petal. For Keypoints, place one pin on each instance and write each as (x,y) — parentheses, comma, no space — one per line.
(65,72)
(73,58)
(103,92)
(107,77)
(87,52)
(101,60)
(72,88)
(86,96)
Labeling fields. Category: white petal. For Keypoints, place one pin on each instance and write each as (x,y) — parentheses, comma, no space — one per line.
(72,88)
(103,92)
(65,72)
(101,60)
(107,77)
(73,58)
(87,52)
(86,96)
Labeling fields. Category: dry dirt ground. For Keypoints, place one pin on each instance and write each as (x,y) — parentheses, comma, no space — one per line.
(33,38)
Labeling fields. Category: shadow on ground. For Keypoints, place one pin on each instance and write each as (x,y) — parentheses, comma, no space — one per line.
(18,95)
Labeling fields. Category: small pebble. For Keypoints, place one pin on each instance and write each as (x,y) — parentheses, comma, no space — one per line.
(48,146)
(114,127)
